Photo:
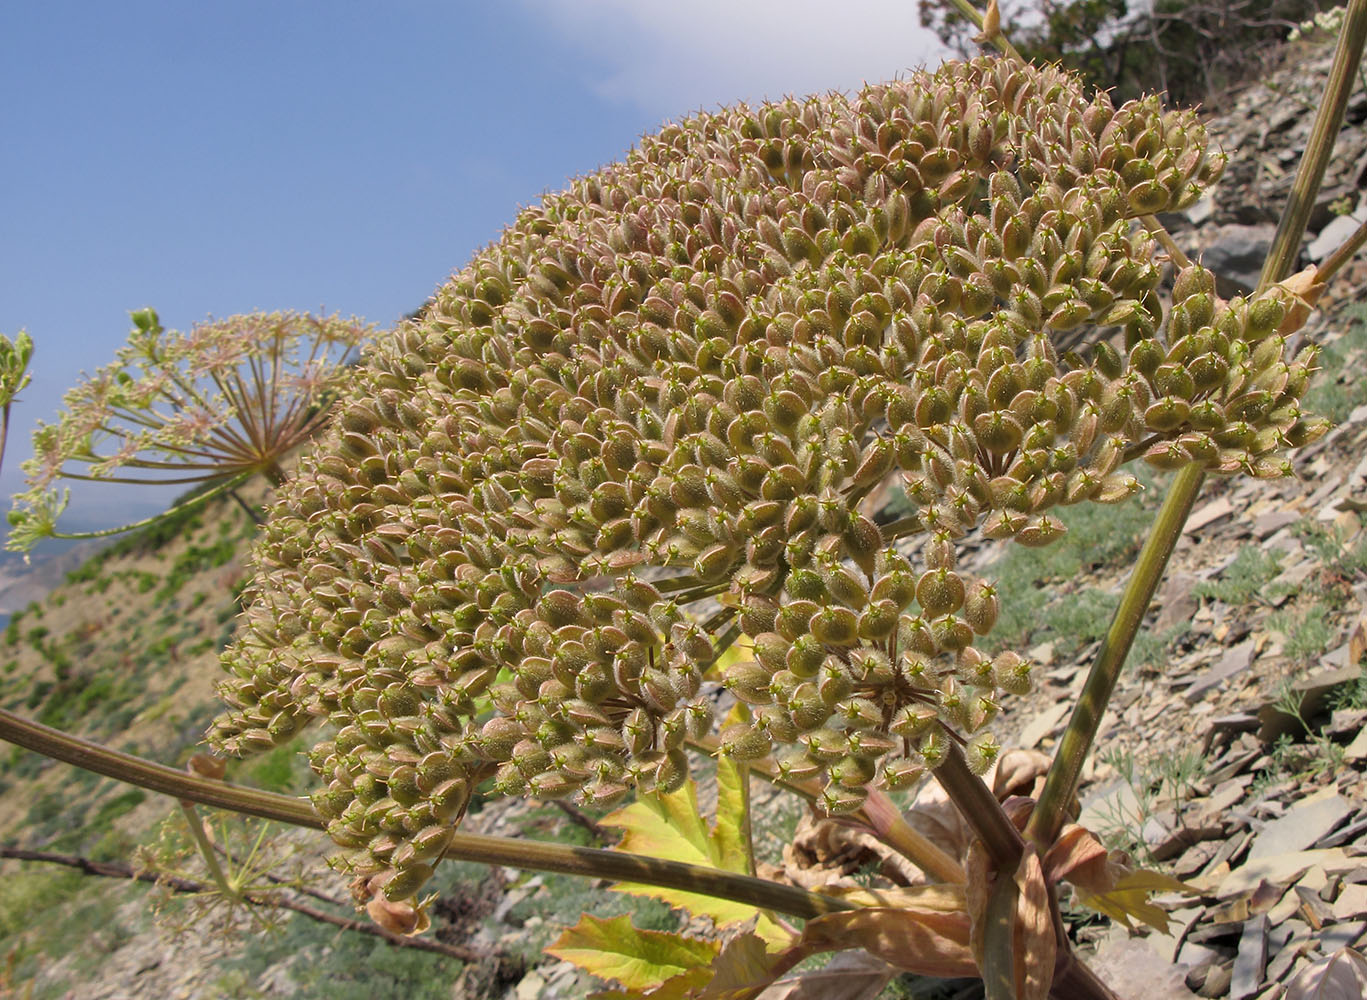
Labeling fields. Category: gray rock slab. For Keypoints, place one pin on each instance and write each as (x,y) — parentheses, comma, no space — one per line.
(1304,823)
(1236,660)
(1237,251)
(1251,961)
(1333,236)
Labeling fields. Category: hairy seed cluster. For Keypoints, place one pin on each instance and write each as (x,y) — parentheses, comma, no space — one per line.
(676,381)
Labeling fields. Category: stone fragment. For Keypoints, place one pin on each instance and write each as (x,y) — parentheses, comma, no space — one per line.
(1286,949)
(1341,936)
(1236,252)
(1313,692)
(1352,902)
(1334,235)
(1130,967)
(1346,721)
(1235,660)
(1176,601)
(1304,823)
(1344,834)
(1043,724)
(1113,804)
(1251,960)
(1211,981)
(1284,868)
(1273,521)
(1217,509)
(1357,750)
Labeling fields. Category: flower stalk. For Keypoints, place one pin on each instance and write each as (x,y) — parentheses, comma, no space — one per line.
(586,861)
(1062,780)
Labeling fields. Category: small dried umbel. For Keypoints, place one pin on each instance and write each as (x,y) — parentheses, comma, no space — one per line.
(676,381)
(230,398)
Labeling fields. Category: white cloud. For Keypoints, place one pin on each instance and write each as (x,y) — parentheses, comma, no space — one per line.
(671,57)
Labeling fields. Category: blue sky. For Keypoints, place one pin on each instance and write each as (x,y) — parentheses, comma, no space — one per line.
(213,158)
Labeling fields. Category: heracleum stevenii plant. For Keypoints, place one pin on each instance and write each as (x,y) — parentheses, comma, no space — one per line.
(230,398)
(674,383)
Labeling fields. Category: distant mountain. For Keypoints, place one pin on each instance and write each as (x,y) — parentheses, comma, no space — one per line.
(23,581)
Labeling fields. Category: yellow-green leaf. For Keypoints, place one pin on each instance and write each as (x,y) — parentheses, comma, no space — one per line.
(614,949)
(1129,897)
(671,827)
(679,987)
(733,806)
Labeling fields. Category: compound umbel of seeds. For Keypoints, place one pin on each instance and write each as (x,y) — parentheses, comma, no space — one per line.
(673,384)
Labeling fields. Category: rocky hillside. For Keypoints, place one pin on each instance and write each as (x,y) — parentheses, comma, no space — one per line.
(1232,755)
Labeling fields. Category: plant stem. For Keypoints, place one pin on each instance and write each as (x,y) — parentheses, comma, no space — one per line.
(155,777)
(206,851)
(894,530)
(4,432)
(195,501)
(1335,261)
(1061,784)
(272,900)
(1319,148)
(891,827)
(1158,232)
(981,810)
(999,945)
(587,861)
(999,39)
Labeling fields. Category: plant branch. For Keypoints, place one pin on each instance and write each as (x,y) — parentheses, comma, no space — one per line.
(176,883)
(196,501)
(890,826)
(997,38)
(206,850)
(980,809)
(581,819)
(1061,784)
(1319,149)
(587,861)
(1158,232)
(155,777)
(1335,261)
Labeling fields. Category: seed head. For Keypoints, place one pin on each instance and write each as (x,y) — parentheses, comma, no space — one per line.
(676,382)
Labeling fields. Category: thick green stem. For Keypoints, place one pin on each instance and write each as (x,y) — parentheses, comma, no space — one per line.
(1062,781)
(1061,784)
(1319,149)
(587,861)
(999,938)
